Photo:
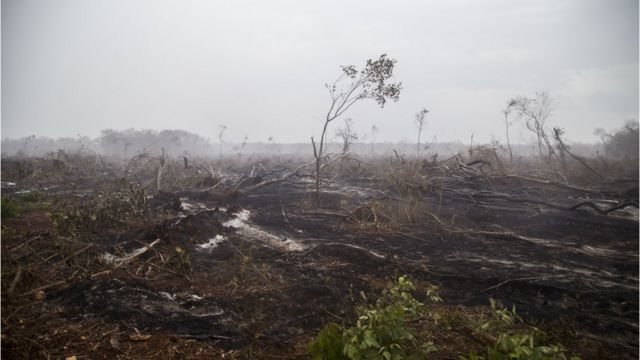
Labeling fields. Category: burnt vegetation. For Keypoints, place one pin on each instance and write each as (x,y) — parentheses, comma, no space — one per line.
(143,244)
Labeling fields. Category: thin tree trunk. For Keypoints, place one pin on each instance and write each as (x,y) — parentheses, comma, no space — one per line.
(506,123)
(319,160)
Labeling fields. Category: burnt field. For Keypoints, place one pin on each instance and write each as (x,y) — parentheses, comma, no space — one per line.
(169,258)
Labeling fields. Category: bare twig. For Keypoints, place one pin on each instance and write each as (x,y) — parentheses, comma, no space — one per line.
(16,278)
(284,213)
(277,180)
(74,254)
(41,288)
(510,280)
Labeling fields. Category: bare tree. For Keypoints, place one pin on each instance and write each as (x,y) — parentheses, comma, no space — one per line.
(564,148)
(242,146)
(347,135)
(162,164)
(26,142)
(374,132)
(271,144)
(420,122)
(220,136)
(349,88)
(506,112)
(536,112)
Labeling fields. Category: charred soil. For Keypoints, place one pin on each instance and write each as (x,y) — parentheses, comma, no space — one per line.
(205,273)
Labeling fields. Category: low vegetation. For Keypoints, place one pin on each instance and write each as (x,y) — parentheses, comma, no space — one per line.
(381,330)
(10,207)
(393,329)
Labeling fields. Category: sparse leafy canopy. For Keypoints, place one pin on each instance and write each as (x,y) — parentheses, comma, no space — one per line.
(369,83)
(350,87)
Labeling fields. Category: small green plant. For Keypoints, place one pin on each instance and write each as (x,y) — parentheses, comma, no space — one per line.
(184,260)
(516,344)
(381,330)
(67,219)
(329,344)
(524,346)
(10,208)
(502,319)
(32,196)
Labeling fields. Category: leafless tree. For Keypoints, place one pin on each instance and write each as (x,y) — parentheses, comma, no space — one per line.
(564,148)
(374,132)
(272,144)
(506,112)
(242,146)
(347,135)
(162,164)
(420,122)
(535,112)
(349,88)
(220,136)
(26,142)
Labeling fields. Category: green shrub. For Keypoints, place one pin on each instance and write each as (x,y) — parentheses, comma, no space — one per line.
(521,347)
(329,343)
(380,331)
(31,196)
(9,207)
(516,344)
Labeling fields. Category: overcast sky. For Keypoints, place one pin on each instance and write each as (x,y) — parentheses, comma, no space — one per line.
(259,67)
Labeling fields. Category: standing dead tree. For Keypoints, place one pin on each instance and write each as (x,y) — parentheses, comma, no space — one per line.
(374,131)
(23,150)
(564,148)
(220,137)
(350,87)
(420,122)
(506,112)
(162,164)
(347,135)
(536,112)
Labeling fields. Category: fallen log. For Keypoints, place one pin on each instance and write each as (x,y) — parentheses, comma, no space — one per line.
(507,197)
(119,261)
(603,211)
(276,180)
(552,183)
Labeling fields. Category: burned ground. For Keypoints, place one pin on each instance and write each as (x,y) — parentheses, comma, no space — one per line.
(209,269)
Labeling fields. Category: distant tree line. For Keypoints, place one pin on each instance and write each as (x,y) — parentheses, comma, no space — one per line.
(174,142)
(621,143)
(115,143)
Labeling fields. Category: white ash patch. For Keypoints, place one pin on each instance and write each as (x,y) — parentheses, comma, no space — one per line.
(109,258)
(213,243)
(8,184)
(241,223)
(167,296)
(192,206)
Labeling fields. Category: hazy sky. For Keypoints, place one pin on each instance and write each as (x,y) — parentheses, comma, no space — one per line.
(259,67)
